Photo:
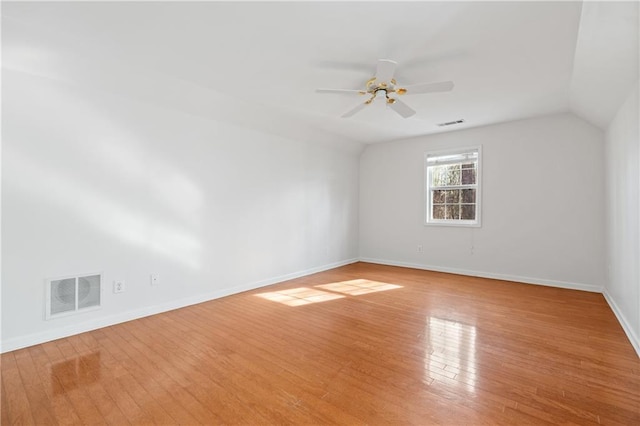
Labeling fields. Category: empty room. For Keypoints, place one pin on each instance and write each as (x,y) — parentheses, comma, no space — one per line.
(257,213)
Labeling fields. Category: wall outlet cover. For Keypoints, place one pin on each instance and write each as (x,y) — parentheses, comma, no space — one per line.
(118,286)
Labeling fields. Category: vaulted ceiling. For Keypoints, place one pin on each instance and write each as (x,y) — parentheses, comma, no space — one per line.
(258,64)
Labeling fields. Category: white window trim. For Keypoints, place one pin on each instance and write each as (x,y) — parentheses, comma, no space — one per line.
(427,202)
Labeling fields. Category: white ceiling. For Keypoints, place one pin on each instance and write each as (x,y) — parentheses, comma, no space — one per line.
(260,63)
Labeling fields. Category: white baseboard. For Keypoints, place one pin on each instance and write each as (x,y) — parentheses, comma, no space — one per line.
(633,338)
(482,274)
(49,335)
(58,333)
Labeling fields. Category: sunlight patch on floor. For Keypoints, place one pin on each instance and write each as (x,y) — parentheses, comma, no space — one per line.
(304,295)
(358,287)
(299,296)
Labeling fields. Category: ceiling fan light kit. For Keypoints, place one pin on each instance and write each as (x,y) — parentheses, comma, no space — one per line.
(384,84)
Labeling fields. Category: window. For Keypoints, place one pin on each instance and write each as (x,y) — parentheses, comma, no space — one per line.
(453,187)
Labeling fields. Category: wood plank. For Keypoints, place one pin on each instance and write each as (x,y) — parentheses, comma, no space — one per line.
(18,409)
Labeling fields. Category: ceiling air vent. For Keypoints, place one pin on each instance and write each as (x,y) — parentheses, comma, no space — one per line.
(70,295)
(451,123)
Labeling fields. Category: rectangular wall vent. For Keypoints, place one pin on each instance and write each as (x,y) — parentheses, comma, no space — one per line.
(451,123)
(71,295)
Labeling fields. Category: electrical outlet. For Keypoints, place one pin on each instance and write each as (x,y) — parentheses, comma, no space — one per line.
(118,286)
(420,248)
(155,279)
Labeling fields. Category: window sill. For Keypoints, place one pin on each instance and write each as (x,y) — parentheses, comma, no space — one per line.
(462,224)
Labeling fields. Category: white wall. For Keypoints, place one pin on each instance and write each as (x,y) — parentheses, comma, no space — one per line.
(542,205)
(96,181)
(623,216)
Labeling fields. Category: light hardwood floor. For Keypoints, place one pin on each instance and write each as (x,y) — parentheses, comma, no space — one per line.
(359,344)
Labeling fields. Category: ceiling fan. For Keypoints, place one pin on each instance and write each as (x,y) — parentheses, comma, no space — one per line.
(384,84)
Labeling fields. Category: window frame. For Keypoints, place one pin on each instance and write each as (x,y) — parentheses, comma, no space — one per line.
(427,202)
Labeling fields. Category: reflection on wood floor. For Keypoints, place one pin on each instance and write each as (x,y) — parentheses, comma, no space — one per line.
(358,344)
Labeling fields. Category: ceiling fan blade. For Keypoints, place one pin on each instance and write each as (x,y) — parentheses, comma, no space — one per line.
(349,91)
(385,70)
(401,108)
(414,89)
(352,111)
